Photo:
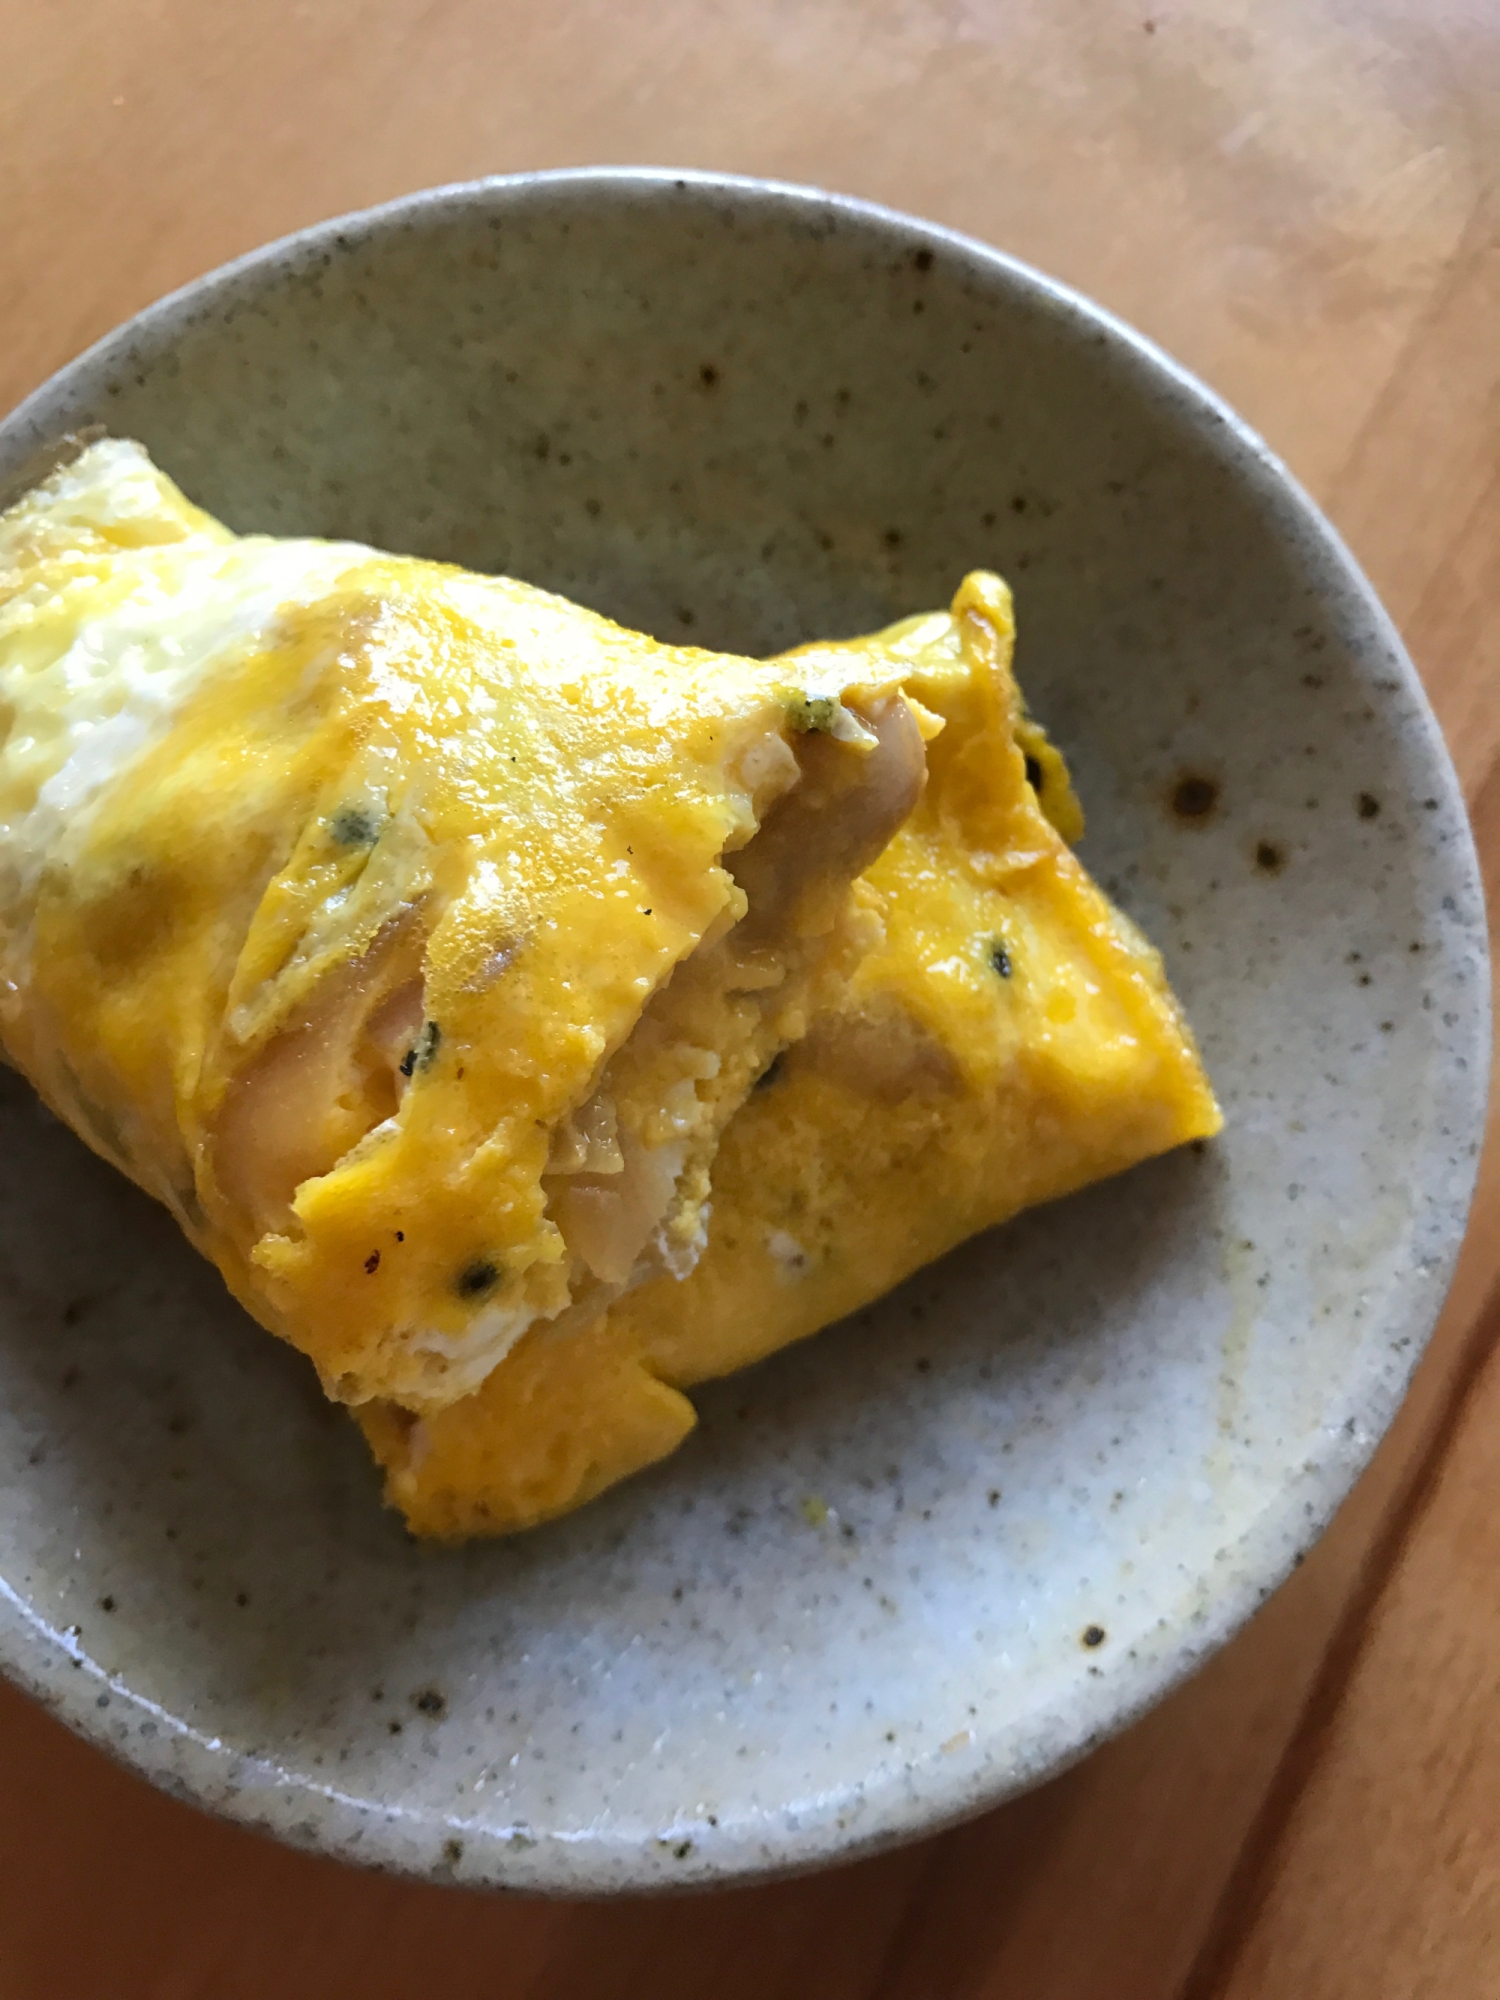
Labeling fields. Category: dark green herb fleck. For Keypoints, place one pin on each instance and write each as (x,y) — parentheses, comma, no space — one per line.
(354,826)
(1000,959)
(423,1049)
(475,1279)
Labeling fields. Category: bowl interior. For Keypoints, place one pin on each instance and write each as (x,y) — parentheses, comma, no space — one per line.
(746,417)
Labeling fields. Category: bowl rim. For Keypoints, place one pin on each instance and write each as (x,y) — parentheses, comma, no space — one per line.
(936,1791)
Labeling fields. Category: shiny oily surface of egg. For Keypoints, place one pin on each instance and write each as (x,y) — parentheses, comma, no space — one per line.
(1008,1038)
(919,1562)
(482,871)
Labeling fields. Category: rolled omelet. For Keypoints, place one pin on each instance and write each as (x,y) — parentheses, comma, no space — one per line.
(411,934)
(1008,1038)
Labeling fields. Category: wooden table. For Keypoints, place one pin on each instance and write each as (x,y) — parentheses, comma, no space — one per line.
(1301,199)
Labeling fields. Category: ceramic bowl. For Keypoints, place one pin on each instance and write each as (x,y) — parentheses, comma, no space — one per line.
(1049,1475)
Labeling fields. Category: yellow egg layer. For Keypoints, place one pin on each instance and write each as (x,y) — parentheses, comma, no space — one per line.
(1009,1039)
(342,894)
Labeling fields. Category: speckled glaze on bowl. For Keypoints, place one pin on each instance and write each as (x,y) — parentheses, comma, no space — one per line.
(1060,1468)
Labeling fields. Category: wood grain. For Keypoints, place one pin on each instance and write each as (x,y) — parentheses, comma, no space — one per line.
(1300,199)
(1386,1877)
